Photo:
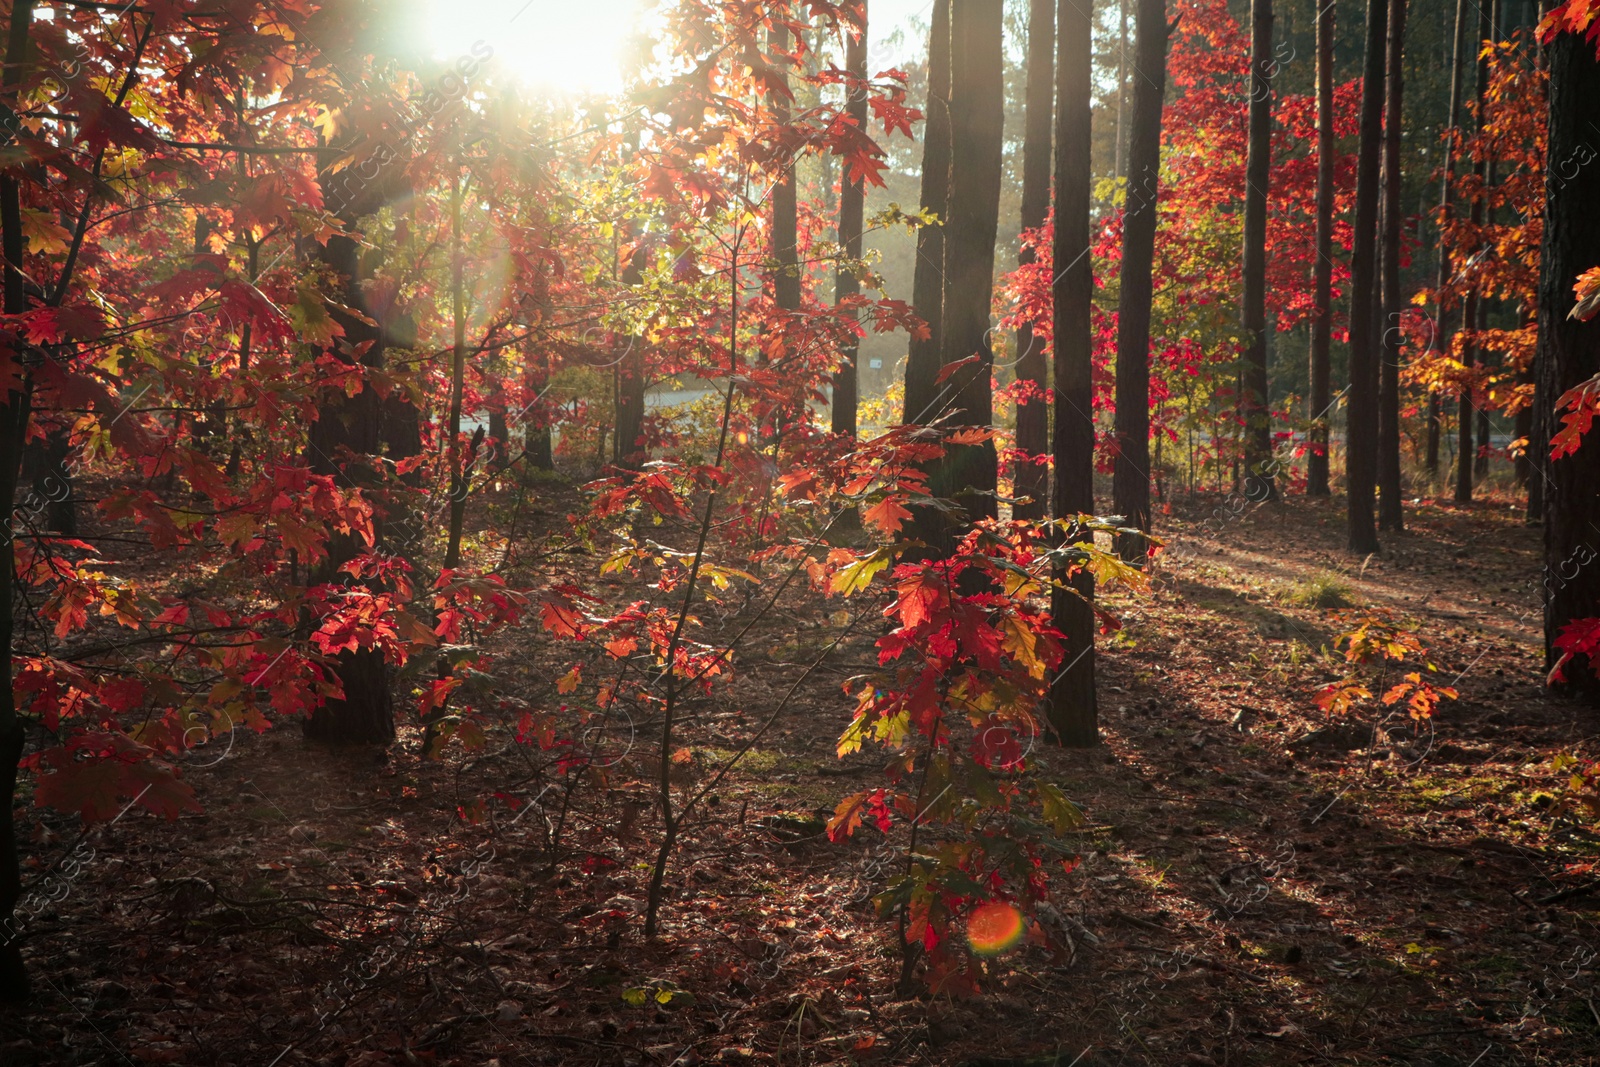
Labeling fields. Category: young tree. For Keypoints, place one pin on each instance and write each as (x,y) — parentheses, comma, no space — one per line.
(1361,452)
(852,197)
(1391,512)
(1131,476)
(1074,713)
(977,114)
(1033,416)
(923,394)
(1253,395)
(1568,349)
(1322,268)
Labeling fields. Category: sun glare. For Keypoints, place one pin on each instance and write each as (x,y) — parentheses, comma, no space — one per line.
(562,46)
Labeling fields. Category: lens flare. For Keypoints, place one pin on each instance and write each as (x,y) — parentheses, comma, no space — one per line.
(994,927)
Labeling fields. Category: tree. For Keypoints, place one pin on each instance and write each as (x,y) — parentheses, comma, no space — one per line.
(785,210)
(346,429)
(852,197)
(1391,511)
(1441,328)
(1074,713)
(1471,319)
(1322,268)
(1569,349)
(977,113)
(923,401)
(1253,396)
(1131,477)
(1033,415)
(1362,457)
(14,983)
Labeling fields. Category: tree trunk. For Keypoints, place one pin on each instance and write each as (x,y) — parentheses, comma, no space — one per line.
(1259,483)
(977,113)
(924,397)
(535,418)
(628,450)
(1391,510)
(1074,714)
(1322,268)
(1119,165)
(785,212)
(1569,351)
(1441,328)
(353,425)
(1472,307)
(1131,479)
(1033,415)
(852,199)
(14,983)
(1361,436)
(458,372)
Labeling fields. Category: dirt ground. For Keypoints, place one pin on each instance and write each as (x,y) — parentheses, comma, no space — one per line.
(1256,886)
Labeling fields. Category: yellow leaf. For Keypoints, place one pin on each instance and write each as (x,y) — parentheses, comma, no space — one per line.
(570,680)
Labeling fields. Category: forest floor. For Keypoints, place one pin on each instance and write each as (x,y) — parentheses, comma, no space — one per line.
(1255,886)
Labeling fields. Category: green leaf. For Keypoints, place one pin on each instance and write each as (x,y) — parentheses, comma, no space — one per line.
(858,575)
(1061,813)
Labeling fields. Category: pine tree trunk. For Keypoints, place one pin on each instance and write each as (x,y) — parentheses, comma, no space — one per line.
(1033,414)
(1391,509)
(1322,269)
(1074,714)
(1569,351)
(852,199)
(1361,436)
(925,399)
(967,473)
(1253,393)
(1131,478)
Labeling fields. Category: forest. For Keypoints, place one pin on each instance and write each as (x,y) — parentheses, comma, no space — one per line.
(649,533)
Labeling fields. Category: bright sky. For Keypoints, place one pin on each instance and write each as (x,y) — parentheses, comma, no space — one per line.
(577,45)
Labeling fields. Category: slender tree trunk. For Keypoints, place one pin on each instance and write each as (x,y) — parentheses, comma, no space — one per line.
(1119,165)
(977,112)
(1446,191)
(628,450)
(1033,414)
(1464,446)
(1471,310)
(1361,436)
(1322,268)
(1253,393)
(14,983)
(1568,350)
(785,212)
(852,198)
(1074,714)
(1131,478)
(925,399)
(1391,510)
(458,372)
(535,418)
